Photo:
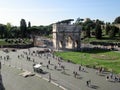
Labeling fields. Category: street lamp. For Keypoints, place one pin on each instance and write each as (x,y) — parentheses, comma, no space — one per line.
(82,57)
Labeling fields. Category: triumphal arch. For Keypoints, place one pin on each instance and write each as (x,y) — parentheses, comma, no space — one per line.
(66,35)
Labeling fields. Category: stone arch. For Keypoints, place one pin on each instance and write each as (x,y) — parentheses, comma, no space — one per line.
(66,36)
(61,44)
(76,43)
(69,42)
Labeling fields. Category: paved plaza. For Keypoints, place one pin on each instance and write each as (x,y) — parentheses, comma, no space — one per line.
(25,58)
(11,80)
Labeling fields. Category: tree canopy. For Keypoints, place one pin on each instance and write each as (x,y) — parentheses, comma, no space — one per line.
(98,31)
(90,28)
(117,20)
(23,27)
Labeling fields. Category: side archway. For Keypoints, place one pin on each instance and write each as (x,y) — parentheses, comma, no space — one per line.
(61,44)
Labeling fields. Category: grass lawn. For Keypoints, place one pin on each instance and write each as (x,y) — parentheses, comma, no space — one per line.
(110,60)
(2,42)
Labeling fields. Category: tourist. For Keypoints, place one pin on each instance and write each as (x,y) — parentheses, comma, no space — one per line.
(49,62)
(47,67)
(103,69)
(18,56)
(107,78)
(115,78)
(0,65)
(33,60)
(0,57)
(88,83)
(100,69)
(7,57)
(111,75)
(75,74)
(59,64)
(83,69)
(79,68)
(41,63)
(55,67)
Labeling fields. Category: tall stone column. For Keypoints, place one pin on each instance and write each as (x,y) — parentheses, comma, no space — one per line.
(64,40)
(73,37)
(57,41)
(79,40)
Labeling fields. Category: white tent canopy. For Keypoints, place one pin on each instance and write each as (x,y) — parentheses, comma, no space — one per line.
(37,66)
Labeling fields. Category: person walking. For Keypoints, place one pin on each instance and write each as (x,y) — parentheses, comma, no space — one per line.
(55,67)
(0,66)
(47,66)
(88,83)
(79,68)
(49,62)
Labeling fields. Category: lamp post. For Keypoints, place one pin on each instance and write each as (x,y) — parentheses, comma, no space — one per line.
(0,65)
(9,62)
(82,57)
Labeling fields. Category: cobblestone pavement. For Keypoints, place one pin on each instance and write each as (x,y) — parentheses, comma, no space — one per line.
(65,77)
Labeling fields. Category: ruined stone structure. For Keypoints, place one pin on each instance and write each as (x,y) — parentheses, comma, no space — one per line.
(66,35)
(38,41)
(117,25)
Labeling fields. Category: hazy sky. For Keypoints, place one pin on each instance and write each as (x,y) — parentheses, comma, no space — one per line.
(45,12)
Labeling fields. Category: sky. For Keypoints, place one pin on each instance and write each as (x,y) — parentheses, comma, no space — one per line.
(45,12)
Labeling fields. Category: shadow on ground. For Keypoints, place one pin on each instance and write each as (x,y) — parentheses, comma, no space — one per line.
(1,83)
(94,86)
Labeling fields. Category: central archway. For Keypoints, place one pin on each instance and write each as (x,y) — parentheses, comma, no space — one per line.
(69,42)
